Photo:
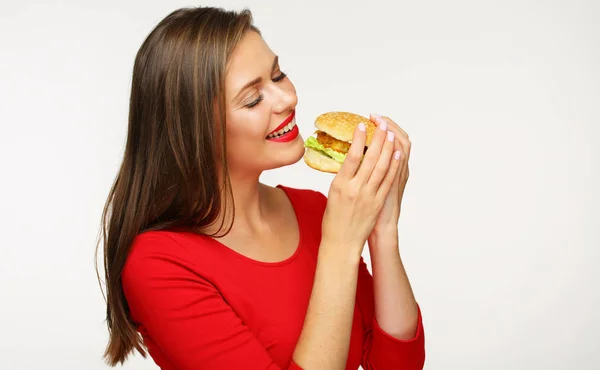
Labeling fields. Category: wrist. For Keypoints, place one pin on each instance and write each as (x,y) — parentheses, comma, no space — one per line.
(386,237)
(345,253)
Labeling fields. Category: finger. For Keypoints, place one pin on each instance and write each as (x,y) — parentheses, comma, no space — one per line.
(376,118)
(355,153)
(396,183)
(404,148)
(403,166)
(401,177)
(372,155)
(383,163)
(390,176)
(401,135)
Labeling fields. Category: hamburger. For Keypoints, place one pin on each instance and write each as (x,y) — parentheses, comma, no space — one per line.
(326,152)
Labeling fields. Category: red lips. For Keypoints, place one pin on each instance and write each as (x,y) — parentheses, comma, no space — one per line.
(287,120)
(288,136)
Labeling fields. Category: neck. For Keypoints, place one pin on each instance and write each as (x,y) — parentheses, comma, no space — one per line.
(251,204)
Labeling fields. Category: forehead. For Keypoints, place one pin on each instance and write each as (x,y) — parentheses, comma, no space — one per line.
(250,58)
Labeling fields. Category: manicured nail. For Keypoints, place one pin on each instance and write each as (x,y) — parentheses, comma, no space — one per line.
(361,127)
(390,136)
(376,116)
(382,125)
(397,154)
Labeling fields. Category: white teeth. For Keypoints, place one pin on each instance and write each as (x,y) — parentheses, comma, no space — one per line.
(284,130)
(288,127)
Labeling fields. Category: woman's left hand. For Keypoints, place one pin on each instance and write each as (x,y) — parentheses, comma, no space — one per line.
(386,225)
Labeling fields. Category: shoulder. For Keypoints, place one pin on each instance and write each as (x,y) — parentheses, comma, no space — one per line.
(156,255)
(160,275)
(151,244)
(305,199)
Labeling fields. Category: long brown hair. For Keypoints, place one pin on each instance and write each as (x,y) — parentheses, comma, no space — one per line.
(174,170)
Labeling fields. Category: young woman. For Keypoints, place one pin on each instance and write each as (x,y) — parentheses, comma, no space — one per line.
(207,268)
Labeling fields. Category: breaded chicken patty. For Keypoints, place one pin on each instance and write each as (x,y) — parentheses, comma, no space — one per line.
(333,143)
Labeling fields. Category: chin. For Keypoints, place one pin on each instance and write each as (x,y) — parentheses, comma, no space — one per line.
(290,155)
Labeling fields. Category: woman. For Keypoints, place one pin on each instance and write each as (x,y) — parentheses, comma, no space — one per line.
(276,282)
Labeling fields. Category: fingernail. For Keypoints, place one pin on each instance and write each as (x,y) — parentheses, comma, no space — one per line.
(382,125)
(361,127)
(390,136)
(397,154)
(376,116)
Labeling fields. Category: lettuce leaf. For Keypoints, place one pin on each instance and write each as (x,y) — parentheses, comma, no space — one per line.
(312,143)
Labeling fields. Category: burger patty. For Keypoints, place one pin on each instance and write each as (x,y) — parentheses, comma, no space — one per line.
(329,141)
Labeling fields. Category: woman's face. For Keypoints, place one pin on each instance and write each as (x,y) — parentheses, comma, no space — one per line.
(261,103)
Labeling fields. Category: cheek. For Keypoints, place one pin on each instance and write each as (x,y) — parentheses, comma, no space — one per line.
(245,131)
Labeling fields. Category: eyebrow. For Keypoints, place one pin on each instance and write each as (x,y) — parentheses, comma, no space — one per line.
(257,80)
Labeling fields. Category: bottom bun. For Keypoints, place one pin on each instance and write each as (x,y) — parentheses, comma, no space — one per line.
(321,162)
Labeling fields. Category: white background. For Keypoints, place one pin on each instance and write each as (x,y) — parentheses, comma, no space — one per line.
(500,231)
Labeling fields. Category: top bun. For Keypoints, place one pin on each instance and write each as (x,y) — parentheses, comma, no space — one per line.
(341,125)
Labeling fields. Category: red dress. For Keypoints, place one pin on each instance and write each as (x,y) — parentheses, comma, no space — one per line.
(200,305)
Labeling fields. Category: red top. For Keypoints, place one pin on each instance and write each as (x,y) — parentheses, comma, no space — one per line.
(200,305)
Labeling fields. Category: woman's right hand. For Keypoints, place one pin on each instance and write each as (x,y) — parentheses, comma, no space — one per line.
(358,191)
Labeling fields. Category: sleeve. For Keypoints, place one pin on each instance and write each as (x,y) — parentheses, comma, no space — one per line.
(381,351)
(184,314)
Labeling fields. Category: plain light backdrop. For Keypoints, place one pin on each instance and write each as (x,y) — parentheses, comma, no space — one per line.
(500,228)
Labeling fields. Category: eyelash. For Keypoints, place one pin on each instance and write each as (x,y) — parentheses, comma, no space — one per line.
(260,97)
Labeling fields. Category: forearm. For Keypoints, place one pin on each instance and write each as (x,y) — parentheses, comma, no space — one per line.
(325,337)
(396,310)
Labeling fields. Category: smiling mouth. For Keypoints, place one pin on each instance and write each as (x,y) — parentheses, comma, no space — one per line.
(286,126)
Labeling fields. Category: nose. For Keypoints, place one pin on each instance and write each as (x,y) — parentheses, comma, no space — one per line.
(285,98)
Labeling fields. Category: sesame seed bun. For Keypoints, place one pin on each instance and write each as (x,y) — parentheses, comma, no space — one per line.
(314,159)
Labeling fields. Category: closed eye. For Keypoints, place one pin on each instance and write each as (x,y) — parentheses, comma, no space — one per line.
(260,96)
(280,77)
